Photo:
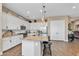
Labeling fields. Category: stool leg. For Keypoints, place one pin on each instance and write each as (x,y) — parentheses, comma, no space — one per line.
(50,50)
(44,50)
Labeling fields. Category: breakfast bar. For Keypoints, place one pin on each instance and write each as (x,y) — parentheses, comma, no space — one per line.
(32,45)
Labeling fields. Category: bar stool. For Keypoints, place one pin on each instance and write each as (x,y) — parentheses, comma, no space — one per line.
(47,48)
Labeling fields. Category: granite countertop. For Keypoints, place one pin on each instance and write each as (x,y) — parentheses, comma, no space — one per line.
(42,37)
(9,34)
(36,38)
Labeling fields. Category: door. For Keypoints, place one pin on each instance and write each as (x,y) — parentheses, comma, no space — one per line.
(57,30)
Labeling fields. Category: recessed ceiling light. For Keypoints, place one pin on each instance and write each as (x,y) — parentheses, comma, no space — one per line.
(41,11)
(74,7)
(28,12)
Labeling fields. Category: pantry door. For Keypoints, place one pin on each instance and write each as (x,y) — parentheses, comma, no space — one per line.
(57,30)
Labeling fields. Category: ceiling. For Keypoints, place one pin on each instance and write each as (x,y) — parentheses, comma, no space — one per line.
(32,10)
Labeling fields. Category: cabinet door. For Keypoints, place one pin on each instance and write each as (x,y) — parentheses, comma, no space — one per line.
(15,40)
(27,48)
(19,39)
(4,20)
(7,44)
(37,48)
(57,30)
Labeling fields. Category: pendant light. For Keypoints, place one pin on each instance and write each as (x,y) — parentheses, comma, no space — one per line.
(7,19)
(44,20)
(43,11)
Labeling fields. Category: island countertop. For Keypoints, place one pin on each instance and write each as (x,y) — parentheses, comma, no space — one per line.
(36,38)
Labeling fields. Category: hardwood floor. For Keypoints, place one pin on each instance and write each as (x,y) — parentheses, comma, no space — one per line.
(58,49)
(15,51)
(65,48)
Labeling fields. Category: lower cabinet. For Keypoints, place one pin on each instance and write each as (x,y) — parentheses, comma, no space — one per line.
(10,42)
(31,48)
(7,42)
(16,40)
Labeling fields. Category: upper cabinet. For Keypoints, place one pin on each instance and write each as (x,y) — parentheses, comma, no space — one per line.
(4,20)
(12,22)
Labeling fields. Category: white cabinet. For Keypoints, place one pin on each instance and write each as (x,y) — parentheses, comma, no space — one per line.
(16,40)
(57,30)
(10,42)
(12,22)
(4,20)
(27,48)
(7,42)
(37,48)
(31,48)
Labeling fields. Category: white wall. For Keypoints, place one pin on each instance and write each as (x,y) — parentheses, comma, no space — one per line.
(0,28)
(0,31)
(13,22)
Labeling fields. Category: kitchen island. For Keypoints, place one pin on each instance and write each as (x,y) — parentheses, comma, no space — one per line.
(31,45)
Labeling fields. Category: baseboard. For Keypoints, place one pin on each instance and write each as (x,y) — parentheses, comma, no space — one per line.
(60,40)
(65,40)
